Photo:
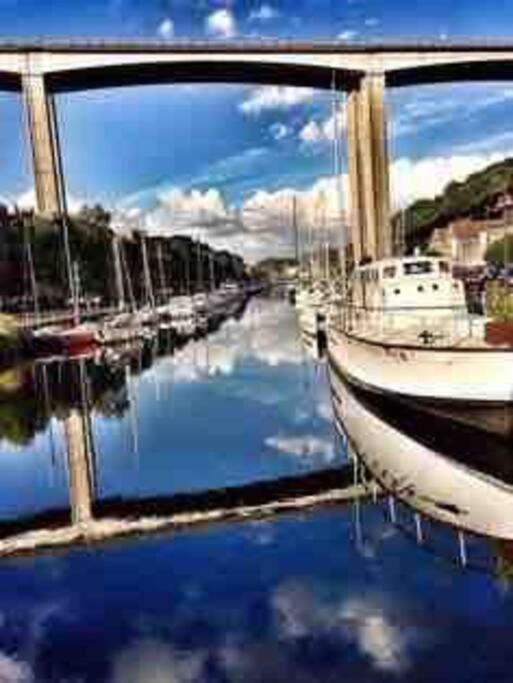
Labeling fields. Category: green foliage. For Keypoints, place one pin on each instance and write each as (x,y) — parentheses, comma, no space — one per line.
(474,197)
(186,263)
(499,301)
(500,252)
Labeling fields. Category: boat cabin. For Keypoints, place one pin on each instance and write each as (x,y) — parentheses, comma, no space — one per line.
(410,282)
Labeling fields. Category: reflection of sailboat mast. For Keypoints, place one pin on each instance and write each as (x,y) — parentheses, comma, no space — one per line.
(48,413)
(132,411)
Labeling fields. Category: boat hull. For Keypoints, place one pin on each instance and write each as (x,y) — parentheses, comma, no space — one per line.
(421,477)
(480,376)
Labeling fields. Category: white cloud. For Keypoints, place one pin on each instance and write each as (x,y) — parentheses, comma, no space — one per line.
(262,225)
(371,22)
(166,28)
(347,35)
(308,446)
(221,24)
(202,213)
(269,97)
(151,661)
(414,179)
(27,200)
(311,132)
(314,132)
(279,131)
(263,13)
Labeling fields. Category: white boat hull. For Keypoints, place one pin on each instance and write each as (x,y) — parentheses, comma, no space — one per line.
(426,480)
(481,375)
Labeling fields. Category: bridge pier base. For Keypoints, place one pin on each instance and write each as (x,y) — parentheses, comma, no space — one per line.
(44,143)
(368,169)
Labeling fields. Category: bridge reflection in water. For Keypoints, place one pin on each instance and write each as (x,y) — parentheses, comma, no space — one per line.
(78,395)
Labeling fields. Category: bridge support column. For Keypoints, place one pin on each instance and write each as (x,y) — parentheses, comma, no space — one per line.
(44,142)
(368,169)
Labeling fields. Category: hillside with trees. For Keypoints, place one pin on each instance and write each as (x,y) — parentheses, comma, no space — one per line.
(177,263)
(475,197)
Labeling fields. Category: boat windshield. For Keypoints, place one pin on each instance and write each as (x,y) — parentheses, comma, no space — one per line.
(418,267)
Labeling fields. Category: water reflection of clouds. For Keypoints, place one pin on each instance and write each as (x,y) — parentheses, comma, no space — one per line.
(14,670)
(364,620)
(153,661)
(307,446)
(264,334)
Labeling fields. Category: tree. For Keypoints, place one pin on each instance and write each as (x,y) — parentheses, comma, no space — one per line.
(500,252)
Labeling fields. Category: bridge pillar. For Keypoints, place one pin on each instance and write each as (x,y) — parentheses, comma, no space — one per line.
(44,143)
(368,169)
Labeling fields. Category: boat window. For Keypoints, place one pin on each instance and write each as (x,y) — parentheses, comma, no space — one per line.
(418,267)
(389,271)
(444,266)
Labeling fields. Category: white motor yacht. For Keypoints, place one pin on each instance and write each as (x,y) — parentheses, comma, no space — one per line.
(404,329)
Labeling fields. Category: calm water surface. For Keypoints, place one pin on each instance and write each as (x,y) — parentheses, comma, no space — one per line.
(329,595)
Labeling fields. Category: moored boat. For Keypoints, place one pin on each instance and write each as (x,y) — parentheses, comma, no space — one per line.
(404,329)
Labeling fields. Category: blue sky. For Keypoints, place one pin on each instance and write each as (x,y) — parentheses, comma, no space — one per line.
(150,147)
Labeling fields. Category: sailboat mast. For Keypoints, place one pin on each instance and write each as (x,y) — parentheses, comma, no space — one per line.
(162,276)
(32,271)
(199,267)
(146,271)
(118,274)
(211,270)
(337,170)
(295,229)
(76,292)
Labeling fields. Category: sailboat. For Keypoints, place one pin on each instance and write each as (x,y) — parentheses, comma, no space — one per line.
(80,338)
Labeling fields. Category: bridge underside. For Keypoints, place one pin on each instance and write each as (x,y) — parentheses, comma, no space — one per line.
(465,71)
(201,72)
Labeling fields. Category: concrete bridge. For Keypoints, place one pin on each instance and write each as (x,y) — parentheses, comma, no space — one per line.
(42,69)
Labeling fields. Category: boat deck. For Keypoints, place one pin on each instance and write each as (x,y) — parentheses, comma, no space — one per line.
(465,335)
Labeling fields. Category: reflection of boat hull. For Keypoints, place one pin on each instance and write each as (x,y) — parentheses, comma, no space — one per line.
(479,376)
(420,476)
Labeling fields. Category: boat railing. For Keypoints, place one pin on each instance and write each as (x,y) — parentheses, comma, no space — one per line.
(428,326)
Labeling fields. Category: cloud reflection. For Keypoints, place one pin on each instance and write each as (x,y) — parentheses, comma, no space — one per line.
(364,620)
(152,661)
(14,671)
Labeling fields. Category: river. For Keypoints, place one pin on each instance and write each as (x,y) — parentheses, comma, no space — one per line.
(327,594)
